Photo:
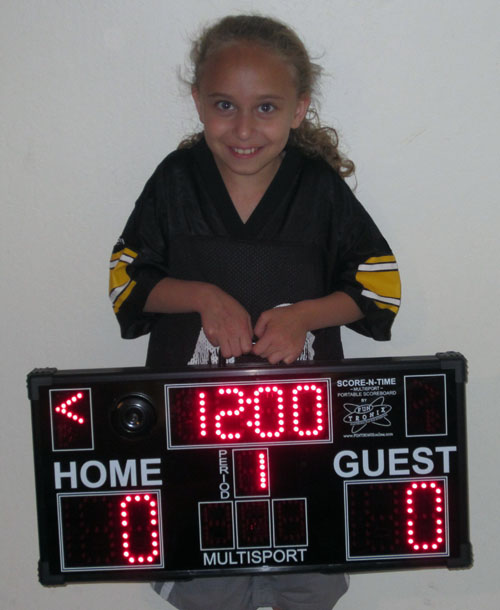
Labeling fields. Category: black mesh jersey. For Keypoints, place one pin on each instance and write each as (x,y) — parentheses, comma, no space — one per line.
(308,237)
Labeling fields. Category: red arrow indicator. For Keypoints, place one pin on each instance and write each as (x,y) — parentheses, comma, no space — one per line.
(66,408)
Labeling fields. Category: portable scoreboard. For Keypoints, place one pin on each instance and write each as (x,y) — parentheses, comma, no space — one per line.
(345,466)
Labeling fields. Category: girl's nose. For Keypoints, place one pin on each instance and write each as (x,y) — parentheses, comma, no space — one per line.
(244,125)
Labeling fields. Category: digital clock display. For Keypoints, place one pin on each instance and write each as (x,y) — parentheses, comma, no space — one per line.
(148,475)
(274,412)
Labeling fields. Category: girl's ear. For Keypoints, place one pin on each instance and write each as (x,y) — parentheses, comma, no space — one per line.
(197,102)
(301,110)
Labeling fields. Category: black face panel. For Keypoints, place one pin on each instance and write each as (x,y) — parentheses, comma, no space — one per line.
(353,465)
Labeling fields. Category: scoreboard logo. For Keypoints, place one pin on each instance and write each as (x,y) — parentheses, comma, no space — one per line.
(361,415)
(367,410)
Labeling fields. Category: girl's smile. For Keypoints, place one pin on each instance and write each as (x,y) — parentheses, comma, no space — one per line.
(247,101)
(245,151)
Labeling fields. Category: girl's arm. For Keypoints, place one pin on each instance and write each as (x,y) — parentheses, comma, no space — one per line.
(225,322)
(282,331)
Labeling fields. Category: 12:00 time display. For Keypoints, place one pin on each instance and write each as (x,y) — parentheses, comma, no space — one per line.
(290,411)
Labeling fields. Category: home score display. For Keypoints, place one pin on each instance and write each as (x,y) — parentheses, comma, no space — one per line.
(345,466)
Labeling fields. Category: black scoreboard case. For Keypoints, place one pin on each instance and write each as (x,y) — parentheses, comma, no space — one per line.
(346,466)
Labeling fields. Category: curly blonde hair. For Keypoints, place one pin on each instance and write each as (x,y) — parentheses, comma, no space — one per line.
(313,138)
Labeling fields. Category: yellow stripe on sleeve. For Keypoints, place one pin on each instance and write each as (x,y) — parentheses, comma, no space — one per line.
(123,296)
(120,285)
(380,279)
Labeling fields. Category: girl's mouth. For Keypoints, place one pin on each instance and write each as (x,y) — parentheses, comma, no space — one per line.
(244,152)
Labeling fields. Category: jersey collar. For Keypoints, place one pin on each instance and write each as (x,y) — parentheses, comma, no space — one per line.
(277,194)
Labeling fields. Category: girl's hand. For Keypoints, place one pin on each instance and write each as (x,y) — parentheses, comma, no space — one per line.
(282,333)
(226,323)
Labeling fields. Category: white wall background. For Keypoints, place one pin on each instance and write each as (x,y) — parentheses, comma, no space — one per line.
(91,103)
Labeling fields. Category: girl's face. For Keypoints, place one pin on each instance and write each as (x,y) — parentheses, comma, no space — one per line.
(247,101)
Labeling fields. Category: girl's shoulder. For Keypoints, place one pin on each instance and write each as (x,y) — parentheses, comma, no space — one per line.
(178,159)
(172,174)
(320,175)
(188,158)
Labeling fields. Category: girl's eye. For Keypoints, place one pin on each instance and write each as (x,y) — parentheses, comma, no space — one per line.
(266,108)
(224,105)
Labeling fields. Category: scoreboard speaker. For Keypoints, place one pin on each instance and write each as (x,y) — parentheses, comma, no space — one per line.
(345,466)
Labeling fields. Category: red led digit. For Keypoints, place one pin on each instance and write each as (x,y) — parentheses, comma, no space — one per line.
(263,470)
(111,531)
(136,506)
(404,518)
(424,516)
(251,472)
(267,400)
(225,421)
(315,406)
(202,413)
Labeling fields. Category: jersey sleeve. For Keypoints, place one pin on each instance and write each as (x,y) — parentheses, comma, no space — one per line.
(138,262)
(367,271)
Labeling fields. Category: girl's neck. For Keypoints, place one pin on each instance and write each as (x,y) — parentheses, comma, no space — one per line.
(245,202)
(246,191)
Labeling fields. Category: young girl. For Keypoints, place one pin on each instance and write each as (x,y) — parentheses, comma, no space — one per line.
(246,243)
